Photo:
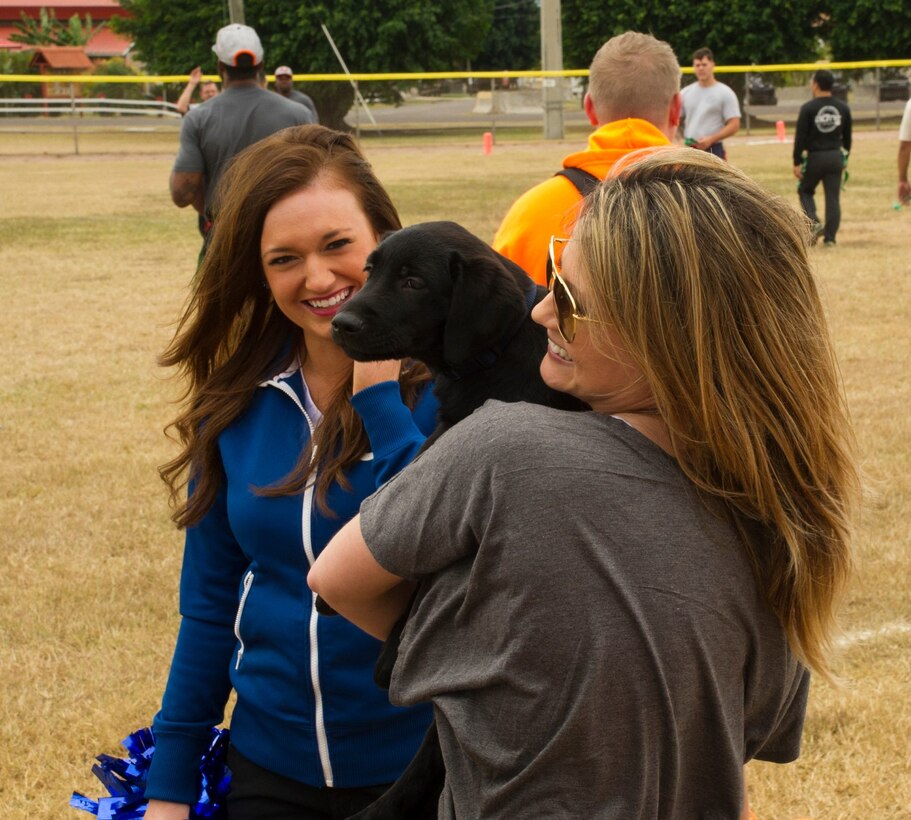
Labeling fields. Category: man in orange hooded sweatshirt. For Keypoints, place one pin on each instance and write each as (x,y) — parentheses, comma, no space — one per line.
(633,100)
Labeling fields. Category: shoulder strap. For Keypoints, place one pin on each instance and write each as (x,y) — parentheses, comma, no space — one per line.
(584,181)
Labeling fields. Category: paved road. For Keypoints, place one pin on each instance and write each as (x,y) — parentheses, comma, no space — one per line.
(459,112)
(436,113)
(449,113)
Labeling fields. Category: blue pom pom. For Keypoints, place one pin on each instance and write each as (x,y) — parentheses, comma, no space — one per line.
(125,780)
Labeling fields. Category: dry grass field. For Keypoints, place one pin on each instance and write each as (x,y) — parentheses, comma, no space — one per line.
(94,267)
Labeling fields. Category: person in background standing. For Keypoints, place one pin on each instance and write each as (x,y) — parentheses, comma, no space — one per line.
(207,90)
(904,155)
(242,114)
(284,85)
(711,112)
(822,142)
(633,100)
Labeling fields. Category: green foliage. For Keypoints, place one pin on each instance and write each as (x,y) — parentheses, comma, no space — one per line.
(78,33)
(773,31)
(389,36)
(35,32)
(171,37)
(869,29)
(47,30)
(117,67)
(17,62)
(514,39)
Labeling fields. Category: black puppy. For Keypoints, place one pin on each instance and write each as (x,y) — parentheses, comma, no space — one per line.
(438,294)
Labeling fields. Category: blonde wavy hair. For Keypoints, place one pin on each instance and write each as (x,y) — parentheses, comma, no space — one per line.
(706,278)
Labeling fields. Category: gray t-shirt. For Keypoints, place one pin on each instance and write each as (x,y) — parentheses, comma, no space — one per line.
(304,99)
(214,133)
(591,637)
(707,109)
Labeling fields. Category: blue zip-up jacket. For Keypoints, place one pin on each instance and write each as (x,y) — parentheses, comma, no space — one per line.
(307,707)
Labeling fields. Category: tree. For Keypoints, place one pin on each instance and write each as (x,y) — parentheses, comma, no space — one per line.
(172,37)
(773,31)
(387,36)
(18,62)
(47,30)
(514,39)
(869,29)
(115,66)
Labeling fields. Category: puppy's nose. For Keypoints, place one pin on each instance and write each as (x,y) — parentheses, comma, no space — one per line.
(345,324)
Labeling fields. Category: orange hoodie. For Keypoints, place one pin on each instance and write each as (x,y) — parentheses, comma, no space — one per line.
(550,208)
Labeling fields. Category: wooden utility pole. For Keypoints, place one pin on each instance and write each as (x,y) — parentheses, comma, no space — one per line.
(236,8)
(552,60)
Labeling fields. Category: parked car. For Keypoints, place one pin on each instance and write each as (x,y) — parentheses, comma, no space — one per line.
(840,87)
(893,85)
(760,92)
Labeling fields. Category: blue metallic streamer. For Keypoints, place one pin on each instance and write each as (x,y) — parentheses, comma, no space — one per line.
(125,780)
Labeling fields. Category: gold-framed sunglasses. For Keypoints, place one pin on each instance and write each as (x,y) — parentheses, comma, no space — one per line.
(567,310)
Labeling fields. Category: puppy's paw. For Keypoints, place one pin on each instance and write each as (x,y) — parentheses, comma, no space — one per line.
(323,608)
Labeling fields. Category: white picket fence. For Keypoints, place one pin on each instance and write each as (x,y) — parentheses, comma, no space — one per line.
(80,106)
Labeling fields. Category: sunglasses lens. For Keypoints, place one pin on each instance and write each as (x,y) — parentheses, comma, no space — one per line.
(566,322)
(556,253)
(565,319)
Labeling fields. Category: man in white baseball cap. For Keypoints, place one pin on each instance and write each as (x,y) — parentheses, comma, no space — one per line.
(284,85)
(243,113)
(235,44)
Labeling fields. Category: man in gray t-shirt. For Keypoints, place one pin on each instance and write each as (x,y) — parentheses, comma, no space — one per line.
(710,111)
(591,635)
(243,113)
(284,85)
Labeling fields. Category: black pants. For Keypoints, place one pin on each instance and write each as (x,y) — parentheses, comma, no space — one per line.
(258,794)
(717,148)
(826,167)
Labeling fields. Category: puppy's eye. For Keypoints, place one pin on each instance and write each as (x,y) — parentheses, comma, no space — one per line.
(368,268)
(412,283)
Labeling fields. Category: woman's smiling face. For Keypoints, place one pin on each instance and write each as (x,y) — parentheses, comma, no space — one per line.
(314,244)
(603,375)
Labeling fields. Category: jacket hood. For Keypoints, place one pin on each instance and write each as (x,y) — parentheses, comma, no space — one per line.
(613,141)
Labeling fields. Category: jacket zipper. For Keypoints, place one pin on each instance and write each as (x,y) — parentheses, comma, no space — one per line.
(322,739)
(248,583)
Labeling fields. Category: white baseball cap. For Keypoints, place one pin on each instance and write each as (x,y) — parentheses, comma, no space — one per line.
(283,69)
(234,41)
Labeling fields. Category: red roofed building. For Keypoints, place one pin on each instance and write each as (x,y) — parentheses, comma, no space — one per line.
(61,60)
(103,45)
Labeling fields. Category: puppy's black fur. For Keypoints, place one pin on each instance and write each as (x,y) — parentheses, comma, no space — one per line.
(438,294)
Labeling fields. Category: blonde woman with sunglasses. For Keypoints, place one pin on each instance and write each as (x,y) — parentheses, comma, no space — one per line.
(620,608)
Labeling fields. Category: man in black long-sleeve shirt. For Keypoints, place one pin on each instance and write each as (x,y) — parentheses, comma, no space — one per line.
(824,134)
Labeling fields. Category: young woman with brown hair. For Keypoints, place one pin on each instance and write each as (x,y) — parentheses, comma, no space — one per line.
(282,437)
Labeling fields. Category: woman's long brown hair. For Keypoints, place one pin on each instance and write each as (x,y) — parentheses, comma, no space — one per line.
(705,276)
(231,337)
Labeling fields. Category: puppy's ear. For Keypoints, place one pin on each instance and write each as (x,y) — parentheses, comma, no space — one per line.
(486,304)
(375,253)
